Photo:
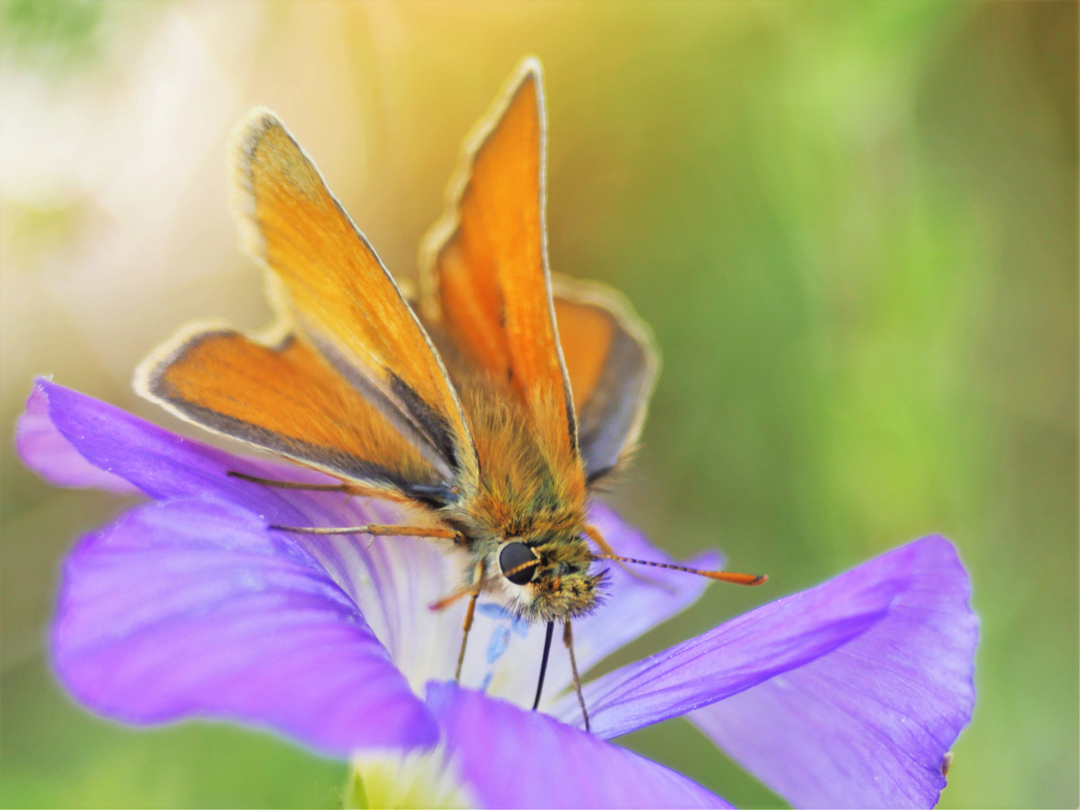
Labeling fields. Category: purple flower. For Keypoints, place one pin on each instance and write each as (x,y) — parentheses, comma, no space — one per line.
(848,694)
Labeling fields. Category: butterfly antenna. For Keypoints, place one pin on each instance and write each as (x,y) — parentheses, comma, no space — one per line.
(543,663)
(521,567)
(722,576)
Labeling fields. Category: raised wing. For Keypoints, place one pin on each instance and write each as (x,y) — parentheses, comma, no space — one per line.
(286,398)
(484,265)
(612,363)
(330,281)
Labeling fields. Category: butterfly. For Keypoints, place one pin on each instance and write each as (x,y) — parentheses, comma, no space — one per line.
(491,407)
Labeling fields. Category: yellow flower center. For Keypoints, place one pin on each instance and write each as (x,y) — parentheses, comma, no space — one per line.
(395,780)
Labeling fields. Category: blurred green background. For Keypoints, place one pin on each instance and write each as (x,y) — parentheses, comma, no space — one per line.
(853,227)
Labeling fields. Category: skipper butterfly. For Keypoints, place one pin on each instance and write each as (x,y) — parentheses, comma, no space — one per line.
(490,407)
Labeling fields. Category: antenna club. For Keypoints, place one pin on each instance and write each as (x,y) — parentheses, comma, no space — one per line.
(738,579)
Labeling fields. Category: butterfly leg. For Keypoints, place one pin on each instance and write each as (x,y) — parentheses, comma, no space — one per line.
(450,599)
(376,530)
(478,581)
(568,640)
(349,489)
(270,482)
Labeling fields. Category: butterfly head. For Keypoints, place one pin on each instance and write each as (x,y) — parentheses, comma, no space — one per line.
(548,579)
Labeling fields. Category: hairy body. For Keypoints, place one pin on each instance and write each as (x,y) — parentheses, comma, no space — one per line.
(531,490)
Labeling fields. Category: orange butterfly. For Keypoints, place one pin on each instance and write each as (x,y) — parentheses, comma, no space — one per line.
(490,408)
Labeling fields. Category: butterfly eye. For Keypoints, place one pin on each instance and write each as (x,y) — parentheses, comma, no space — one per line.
(512,558)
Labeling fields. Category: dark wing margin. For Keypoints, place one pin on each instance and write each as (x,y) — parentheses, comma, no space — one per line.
(612,361)
(282,395)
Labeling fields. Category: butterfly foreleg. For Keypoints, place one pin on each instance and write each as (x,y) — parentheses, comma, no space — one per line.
(350,489)
(474,594)
(375,530)
(450,599)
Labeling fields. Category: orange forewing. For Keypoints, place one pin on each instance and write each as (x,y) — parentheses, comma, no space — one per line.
(486,276)
(285,398)
(337,289)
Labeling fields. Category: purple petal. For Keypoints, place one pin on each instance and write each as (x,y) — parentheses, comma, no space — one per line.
(510,757)
(155,461)
(53,457)
(191,608)
(756,646)
(869,724)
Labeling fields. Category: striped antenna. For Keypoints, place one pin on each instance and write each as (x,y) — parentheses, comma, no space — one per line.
(521,567)
(722,576)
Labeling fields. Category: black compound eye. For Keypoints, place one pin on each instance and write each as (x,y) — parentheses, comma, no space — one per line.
(513,556)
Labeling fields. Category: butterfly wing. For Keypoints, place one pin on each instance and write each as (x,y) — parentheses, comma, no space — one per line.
(283,396)
(612,363)
(484,265)
(332,285)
